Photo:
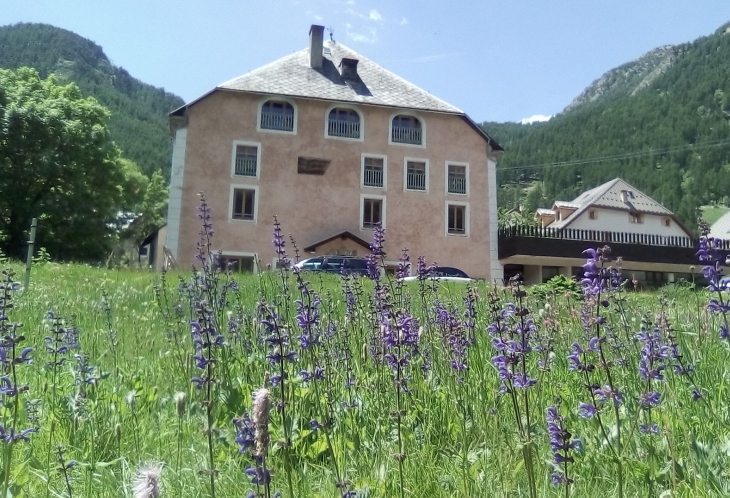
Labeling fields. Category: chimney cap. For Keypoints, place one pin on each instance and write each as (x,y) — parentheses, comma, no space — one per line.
(317,29)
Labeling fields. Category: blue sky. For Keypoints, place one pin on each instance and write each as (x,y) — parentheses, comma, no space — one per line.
(497,60)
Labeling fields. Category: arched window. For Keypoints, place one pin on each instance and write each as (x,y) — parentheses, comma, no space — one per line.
(277,115)
(406,130)
(343,122)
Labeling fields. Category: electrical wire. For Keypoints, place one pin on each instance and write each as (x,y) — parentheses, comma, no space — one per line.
(627,155)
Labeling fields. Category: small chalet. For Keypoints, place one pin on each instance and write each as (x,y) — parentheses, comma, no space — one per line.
(654,245)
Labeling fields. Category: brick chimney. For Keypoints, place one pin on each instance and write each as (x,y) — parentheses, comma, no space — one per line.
(316,35)
(348,68)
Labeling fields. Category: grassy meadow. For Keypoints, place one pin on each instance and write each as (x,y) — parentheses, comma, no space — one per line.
(376,389)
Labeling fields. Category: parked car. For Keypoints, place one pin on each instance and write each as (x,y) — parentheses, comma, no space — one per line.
(445,274)
(724,282)
(335,264)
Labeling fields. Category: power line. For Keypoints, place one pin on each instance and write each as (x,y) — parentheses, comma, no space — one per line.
(627,155)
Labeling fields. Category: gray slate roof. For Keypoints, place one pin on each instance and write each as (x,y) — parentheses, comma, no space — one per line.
(292,76)
(545,212)
(608,195)
(721,228)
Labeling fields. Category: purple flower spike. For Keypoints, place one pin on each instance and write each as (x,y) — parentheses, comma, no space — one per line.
(562,443)
(587,410)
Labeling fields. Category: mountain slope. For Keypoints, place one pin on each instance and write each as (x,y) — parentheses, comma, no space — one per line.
(628,79)
(139,111)
(664,127)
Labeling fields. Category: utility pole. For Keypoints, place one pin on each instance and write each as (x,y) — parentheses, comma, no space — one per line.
(29,259)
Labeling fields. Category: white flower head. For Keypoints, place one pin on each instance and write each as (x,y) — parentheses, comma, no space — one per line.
(146,484)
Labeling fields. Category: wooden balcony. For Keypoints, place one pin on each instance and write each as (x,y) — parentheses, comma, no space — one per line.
(570,243)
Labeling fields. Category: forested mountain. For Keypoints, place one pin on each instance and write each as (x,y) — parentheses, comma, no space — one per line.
(138,111)
(662,123)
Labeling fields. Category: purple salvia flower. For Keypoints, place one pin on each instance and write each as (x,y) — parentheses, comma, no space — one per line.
(649,429)
(562,443)
(245,433)
(279,245)
(606,393)
(650,399)
(586,410)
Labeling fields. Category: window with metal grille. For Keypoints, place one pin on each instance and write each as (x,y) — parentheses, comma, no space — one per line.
(246,160)
(373,172)
(236,263)
(457,179)
(372,213)
(277,115)
(406,130)
(457,219)
(343,123)
(415,175)
(244,204)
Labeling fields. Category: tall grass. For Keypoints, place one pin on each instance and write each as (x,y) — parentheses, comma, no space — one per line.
(377,388)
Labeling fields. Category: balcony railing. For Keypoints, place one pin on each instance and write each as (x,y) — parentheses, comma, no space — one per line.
(570,243)
(598,236)
(373,178)
(457,185)
(347,129)
(245,166)
(276,121)
(403,135)
(416,181)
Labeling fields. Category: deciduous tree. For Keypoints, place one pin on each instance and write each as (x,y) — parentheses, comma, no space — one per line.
(57,164)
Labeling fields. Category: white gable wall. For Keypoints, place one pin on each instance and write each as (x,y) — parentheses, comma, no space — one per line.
(613,220)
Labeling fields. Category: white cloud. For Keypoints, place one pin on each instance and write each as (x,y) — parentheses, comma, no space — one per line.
(369,36)
(536,118)
(403,21)
(375,15)
(350,2)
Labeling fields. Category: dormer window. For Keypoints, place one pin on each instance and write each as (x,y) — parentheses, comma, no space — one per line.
(277,115)
(406,130)
(343,122)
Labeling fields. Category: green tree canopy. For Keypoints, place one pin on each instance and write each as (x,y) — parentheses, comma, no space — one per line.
(58,164)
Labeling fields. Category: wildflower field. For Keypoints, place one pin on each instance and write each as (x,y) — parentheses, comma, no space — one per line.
(205,383)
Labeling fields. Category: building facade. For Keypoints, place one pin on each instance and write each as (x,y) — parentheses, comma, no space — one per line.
(332,145)
(654,246)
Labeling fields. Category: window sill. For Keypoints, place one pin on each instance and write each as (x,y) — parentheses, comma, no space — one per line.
(402,144)
(457,234)
(278,132)
(346,139)
(237,220)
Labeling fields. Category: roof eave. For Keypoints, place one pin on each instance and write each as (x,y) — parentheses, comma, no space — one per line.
(492,143)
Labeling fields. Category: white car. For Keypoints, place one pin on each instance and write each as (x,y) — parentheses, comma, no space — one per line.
(724,282)
(444,274)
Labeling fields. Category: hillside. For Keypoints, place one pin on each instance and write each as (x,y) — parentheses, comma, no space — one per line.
(662,123)
(139,111)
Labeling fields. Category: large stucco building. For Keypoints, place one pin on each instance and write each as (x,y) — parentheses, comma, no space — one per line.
(332,144)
